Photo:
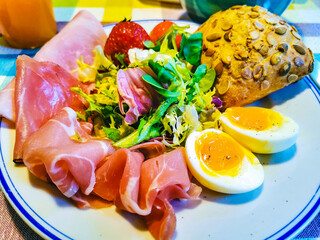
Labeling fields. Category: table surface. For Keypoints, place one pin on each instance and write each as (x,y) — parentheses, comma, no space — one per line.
(304,14)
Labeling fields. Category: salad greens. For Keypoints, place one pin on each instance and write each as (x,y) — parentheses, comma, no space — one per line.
(190,48)
(185,87)
(147,128)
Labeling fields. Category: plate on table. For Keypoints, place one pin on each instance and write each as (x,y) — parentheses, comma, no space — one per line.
(287,201)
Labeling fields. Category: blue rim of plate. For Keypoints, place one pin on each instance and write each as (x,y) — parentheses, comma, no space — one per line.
(293,228)
(16,202)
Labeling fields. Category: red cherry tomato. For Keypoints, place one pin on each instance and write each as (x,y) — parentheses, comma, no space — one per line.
(160,29)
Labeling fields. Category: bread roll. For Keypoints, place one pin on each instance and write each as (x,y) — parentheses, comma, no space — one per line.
(254,53)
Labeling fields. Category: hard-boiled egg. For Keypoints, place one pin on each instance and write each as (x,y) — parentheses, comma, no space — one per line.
(259,129)
(220,163)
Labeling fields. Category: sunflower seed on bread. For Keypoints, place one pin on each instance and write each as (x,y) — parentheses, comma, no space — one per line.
(254,53)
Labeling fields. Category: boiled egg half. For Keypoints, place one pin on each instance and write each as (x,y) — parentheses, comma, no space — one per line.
(220,163)
(259,129)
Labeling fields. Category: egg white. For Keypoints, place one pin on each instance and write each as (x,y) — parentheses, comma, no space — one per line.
(250,176)
(273,140)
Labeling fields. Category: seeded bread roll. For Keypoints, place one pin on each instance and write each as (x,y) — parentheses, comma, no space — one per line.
(254,53)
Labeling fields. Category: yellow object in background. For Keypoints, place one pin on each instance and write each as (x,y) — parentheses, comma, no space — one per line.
(111,11)
(27,24)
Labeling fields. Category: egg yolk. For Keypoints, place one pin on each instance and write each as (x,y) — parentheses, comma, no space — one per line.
(253,118)
(219,154)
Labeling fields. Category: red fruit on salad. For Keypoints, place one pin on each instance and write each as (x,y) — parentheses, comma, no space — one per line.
(124,36)
(160,29)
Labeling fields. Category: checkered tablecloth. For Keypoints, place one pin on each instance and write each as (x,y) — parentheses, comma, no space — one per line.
(304,14)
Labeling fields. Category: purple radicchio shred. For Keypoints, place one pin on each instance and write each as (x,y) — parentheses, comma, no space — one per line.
(217,102)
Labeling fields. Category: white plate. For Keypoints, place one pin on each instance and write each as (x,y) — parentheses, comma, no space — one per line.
(288,200)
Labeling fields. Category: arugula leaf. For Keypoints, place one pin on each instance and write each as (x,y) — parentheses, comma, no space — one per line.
(120,57)
(112,133)
(206,82)
(149,79)
(149,44)
(190,48)
(162,73)
(158,87)
(148,130)
(143,122)
(200,73)
(81,116)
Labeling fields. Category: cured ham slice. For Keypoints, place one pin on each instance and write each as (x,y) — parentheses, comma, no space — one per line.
(146,187)
(150,149)
(136,93)
(163,179)
(118,163)
(161,221)
(42,90)
(61,151)
(7,107)
(90,201)
(118,169)
(78,38)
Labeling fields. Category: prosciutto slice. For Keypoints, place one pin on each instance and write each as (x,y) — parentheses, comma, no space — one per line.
(163,179)
(136,93)
(7,107)
(51,154)
(42,90)
(150,149)
(146,187)
(78,38)
(162,219)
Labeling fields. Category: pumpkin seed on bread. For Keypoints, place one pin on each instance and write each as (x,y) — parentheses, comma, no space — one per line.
(254,53)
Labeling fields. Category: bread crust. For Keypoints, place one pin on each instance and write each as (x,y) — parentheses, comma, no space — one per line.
(254,53)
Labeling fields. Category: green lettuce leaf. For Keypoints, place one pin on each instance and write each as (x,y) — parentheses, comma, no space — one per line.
(190,48)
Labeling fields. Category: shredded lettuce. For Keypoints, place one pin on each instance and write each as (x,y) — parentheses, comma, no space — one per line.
(210,119)
(179,121)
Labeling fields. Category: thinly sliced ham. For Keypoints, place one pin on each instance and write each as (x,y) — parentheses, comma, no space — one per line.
(161,221)
(118,169)
(42,90)
(7,107)
(136,93)
(163,179)
(146,187)
(150,149)
(78,38)
(161,172)
(52,155)
(90,201)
